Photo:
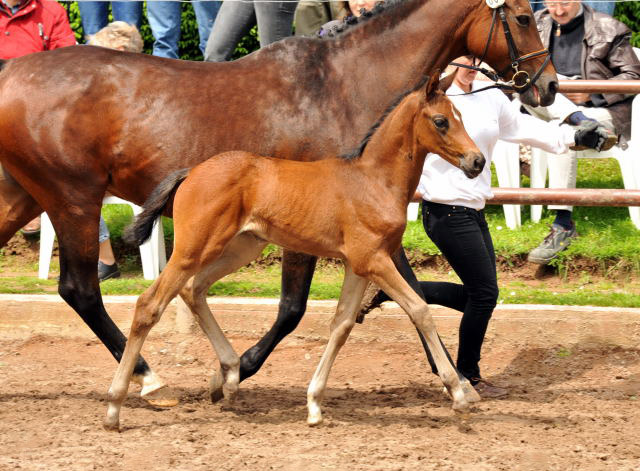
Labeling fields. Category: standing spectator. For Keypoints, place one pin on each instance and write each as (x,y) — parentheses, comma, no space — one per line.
(311,15)
(236,18)
(95,15)
(165,19)
(584,44)
(28,26)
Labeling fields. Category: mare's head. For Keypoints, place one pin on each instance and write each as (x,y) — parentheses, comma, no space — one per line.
(522,59)
(438,128)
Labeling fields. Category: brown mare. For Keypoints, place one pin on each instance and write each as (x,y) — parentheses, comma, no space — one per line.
(353,208)
(80,121)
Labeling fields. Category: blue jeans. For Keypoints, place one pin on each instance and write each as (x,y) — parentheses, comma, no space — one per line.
(164,19)
(95,15)
(274,20)
(604,7)
(103,232)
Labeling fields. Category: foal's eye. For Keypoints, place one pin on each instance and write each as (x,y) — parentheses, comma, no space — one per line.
(523,20)
(441,122)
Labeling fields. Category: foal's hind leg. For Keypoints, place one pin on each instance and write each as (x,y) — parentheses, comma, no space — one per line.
(341,325)
(241,250)
(149,308)
(385,275)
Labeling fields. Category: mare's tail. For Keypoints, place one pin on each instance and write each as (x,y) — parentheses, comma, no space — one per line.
(140,230)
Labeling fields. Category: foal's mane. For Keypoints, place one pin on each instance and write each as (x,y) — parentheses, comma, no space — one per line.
(356,153)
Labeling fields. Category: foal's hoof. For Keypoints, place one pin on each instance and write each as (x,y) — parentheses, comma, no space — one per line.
(470,393)
(163,397)
(215,387)
(111,427)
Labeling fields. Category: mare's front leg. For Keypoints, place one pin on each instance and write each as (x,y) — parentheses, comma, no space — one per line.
(297,272)
(341,325)
(384,274)
(149,308)
(79,287)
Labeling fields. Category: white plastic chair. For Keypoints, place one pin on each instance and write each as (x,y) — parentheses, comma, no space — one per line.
(627,159)
(152,252)
(508,173)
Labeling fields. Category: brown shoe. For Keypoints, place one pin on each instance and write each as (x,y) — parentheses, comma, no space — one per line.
(32,228)
(371,299)
(488,390)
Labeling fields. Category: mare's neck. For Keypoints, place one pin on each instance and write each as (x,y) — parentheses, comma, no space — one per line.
(392,156)
(391,52)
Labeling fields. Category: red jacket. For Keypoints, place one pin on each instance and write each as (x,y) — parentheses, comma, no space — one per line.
(39,25)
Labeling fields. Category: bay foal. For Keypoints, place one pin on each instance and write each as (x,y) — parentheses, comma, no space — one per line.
(229,207)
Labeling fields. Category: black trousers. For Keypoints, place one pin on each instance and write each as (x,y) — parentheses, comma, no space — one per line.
(463,237)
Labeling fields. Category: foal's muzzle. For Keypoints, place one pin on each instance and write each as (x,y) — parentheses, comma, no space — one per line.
(472,164)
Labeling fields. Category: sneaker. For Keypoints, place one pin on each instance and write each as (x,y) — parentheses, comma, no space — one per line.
(106,272)
(556,241)
(488,390)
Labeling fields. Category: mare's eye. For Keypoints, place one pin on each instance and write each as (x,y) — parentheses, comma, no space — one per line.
(441,122)
(523,20)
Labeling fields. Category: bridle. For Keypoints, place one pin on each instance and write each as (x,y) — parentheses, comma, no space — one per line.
(520,81)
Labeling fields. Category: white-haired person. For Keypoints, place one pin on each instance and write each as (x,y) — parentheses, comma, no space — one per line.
(122,37)
(453,210)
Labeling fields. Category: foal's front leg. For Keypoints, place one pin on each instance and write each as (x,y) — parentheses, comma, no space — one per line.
(384,274)
(341,325)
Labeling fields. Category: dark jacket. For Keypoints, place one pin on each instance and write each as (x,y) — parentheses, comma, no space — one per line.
(606,54)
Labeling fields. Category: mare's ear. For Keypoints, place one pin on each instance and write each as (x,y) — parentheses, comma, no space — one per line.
(446,82)
(432,83)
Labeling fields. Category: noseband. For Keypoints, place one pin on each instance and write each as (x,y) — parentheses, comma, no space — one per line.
(521,81)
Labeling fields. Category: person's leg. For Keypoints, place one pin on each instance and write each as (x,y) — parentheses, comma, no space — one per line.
(107,266)
(94,16)
(206,13)
(164,19)
(463,237)
(234,20)
(129,12)
(275,20)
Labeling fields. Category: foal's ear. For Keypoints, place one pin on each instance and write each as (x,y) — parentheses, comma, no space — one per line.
(432,83)
(446,82)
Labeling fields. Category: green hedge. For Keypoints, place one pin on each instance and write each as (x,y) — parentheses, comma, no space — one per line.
(189,39)
(629,13)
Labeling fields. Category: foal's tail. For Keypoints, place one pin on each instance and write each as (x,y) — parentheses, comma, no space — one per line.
(140,230)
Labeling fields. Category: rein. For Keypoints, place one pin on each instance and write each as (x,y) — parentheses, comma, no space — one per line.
(521,81)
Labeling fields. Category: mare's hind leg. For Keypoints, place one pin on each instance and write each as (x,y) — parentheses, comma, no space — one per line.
(341,325)
(384,274)
(149,308)
(241,250)
(297,271)
(17,207)
(78,242)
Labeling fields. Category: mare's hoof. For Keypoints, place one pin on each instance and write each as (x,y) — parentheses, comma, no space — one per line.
(163,397)
(470,393)
(216,392)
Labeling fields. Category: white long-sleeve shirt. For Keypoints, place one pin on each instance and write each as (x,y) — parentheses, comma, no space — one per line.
(487,116)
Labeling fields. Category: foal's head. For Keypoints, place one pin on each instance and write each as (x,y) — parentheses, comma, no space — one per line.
(438,128)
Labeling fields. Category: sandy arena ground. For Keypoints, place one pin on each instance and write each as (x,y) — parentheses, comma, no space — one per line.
(574,377)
